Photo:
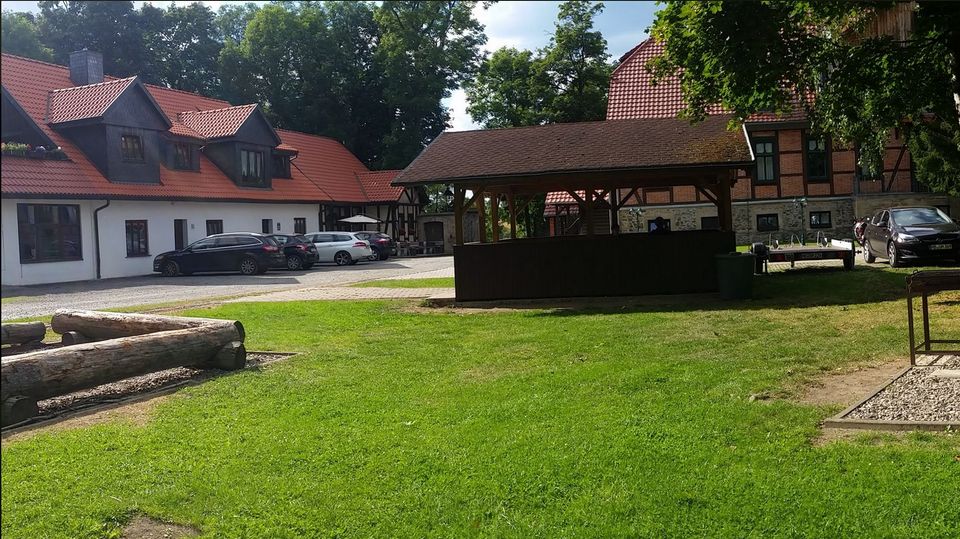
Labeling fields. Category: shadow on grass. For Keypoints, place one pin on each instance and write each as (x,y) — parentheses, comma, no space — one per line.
(798,288)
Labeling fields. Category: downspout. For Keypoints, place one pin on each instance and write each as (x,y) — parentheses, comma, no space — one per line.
(96,235)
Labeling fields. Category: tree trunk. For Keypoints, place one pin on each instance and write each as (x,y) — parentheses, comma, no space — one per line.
(22,333)
(48,373)
(97,325)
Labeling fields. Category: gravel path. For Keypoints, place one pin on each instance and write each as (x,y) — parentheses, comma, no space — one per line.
(349,293)
(918,395)
(43,300)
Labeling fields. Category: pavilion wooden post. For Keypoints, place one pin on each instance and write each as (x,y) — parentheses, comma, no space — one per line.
(495,216)
(614,211)
(724,203)
(458,193)
(588,210)
(512,208)
(481,213)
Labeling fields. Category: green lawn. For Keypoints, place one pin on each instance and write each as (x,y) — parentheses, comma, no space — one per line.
(603,422)
(433,282)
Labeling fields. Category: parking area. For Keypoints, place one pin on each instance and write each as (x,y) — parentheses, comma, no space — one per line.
(41,300)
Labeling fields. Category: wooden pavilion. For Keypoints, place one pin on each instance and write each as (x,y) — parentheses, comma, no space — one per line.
(601,165)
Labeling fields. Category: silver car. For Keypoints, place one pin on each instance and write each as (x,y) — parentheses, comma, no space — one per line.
(341,247)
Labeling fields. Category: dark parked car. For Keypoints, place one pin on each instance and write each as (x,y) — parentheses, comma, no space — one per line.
(300,253)
(382,244)
(902,234)
(246,252)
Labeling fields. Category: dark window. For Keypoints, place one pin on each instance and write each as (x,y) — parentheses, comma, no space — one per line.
(182,156)
(299,225)
(281,166)
(266,226)
(207,243)
(49,232)
(768,222)
(653,227)
(710,223)
(816,160)
(820,219)
(322,238)
(765,152)
(131,148)
(342,237)
(411,223)
(214,226)
(137,238)
(251,166)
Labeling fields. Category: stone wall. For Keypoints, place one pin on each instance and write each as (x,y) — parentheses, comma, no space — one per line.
(471,227)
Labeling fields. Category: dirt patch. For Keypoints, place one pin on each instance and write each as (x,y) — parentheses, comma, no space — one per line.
(137,413)
(846,388)
(142,527)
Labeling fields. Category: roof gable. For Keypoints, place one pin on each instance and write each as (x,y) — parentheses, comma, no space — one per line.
(226,122)
(84,102)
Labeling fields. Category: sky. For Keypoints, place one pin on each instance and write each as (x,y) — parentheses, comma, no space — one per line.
(524,25)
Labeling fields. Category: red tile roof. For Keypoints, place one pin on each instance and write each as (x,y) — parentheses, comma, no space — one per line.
(377,186)
(577,147)
(562,197)
(217,123)
(324,170)
(84,102)
(633,94)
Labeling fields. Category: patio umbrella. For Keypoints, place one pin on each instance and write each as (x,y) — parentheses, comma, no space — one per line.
(361,219)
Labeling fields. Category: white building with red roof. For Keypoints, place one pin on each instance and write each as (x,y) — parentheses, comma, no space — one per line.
(99,174)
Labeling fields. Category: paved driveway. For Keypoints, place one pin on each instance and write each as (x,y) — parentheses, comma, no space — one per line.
(40,300)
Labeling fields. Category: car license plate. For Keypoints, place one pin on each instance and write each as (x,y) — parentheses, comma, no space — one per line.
(940,246)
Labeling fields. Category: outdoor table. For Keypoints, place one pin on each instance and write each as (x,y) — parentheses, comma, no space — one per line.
(924,283)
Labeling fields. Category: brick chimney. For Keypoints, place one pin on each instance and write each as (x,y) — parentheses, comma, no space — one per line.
(86,67)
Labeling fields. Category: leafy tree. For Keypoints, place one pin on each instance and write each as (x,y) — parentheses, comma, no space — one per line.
(112,28)
(855,85)
(508,91)
(185,47)
(426,50)
(232,20)
(21,36)
(577,65)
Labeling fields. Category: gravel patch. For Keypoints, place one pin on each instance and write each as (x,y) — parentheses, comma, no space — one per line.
(116,391)
(918,395)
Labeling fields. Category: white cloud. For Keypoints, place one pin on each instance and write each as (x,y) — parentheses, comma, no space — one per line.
(460,120)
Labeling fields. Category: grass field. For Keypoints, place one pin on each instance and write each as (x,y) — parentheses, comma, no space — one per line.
(432,282)
(398,421)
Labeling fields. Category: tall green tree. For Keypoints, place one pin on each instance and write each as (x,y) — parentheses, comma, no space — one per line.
(233,18)
(577,65)
(21,36)
(427,49)
(112,28)
(508,91)
(184,44)
(855,84)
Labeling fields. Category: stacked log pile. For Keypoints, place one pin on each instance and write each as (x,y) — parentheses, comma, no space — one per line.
(106,347)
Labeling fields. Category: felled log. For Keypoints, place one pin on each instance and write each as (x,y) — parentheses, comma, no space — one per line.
(71,338)
(98,325)
(47,373)
(22,332)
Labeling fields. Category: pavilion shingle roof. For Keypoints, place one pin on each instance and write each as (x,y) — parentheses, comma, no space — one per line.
(577,147)
(633,94)
(218,123)
(324,170)
(85,102)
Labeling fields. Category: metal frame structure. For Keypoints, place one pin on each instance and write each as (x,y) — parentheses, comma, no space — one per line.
(924,283)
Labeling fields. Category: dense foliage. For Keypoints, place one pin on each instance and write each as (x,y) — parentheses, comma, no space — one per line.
(372,76)
(856,84)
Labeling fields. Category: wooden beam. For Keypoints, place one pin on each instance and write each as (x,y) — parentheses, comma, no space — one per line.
(495,217)
(458,193)
(512,209)
(587,210)
(482,214)
(725,204)
(623,202)
(709,196)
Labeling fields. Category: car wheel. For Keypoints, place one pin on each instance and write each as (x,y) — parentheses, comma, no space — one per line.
(249,266)
(342,258)
(170,269)
(894,256)
(867,255)
(294,263)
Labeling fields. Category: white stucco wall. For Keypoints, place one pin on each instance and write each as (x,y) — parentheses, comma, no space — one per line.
(237,217)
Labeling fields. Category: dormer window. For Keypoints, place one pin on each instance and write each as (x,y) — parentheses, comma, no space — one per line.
(251,167)
(281,166)
(131,148)
(182,156)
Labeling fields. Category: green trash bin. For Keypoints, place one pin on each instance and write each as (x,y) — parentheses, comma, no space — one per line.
(735,275)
